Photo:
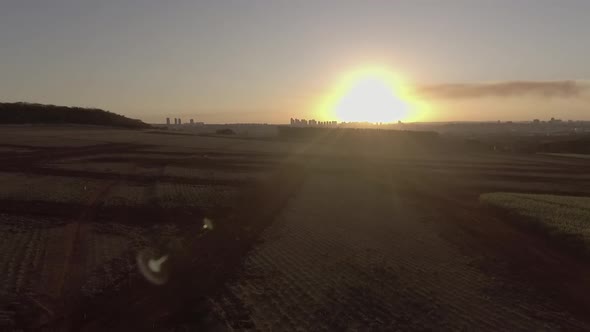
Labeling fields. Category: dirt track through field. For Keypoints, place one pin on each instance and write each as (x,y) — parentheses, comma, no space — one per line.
(357,252)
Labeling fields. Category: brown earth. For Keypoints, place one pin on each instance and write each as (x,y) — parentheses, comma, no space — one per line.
(331,238)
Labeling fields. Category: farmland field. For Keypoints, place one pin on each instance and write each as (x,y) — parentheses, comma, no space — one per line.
(298,235)
(570,155)
(561,216)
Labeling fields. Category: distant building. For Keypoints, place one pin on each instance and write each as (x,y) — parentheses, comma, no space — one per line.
(168,121)
(192,122)
(179,121)
(311,123)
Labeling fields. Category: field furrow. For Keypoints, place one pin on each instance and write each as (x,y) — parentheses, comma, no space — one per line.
(379,265)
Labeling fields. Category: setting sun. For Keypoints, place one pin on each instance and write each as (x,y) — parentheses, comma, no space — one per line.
(370,95)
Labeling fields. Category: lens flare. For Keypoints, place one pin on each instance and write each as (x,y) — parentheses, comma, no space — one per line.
(153,267)
(207,224)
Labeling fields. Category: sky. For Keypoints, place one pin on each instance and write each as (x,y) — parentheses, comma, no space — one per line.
(266,61)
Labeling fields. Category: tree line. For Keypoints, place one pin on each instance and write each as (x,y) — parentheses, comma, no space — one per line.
(25,113)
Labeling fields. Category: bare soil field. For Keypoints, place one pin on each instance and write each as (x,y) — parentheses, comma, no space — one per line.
(299,236)
(387,248)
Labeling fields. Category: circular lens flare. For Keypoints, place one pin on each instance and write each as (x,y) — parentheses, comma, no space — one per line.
(153,266)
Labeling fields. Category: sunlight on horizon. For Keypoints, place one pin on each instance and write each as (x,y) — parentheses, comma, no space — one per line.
(372,94)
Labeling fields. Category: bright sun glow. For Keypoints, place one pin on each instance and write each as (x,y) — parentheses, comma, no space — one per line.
(372,95)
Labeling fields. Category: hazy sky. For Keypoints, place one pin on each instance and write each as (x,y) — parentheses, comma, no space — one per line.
(265,61)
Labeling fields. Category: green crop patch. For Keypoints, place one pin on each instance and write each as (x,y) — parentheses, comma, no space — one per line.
(566,217)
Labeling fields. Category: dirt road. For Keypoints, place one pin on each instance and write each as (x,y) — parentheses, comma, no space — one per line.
(387,248)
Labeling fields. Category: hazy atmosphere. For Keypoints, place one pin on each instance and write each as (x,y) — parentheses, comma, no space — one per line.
(267,61)
(294,165)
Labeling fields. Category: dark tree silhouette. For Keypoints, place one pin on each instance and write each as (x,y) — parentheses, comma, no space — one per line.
(21,113)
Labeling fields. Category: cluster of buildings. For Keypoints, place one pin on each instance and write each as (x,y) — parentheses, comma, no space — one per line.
(312,123)
(178,122)
(552,126)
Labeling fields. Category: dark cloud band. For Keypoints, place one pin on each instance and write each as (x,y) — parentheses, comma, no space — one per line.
(548,89)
